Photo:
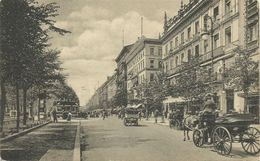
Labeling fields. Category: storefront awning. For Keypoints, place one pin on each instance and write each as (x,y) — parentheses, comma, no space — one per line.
(251,94)
(173,100)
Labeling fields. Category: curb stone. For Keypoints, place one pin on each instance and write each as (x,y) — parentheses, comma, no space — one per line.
(13,136)
(76,151)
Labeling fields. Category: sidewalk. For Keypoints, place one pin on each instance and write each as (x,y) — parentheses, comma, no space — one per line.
(159,121)
(53,142)
(166,122)
(10,126)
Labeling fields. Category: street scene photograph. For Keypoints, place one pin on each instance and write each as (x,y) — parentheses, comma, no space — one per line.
(129,80)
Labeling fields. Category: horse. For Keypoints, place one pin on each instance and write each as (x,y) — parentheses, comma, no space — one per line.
(189,123)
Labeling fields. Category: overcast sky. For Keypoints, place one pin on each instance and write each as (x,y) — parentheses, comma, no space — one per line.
(97,26)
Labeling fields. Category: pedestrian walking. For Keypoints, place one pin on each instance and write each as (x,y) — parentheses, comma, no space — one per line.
(140,115)
(146,114)
(54,115)
(69,116)
(103,114)
(156,113)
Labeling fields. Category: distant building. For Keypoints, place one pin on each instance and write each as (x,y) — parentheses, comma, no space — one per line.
(121,78)
(93,102)
(111,89)
(103,96)
(143,62)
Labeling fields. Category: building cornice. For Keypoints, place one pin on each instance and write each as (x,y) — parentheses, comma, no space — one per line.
(123,52)
(187,16)
(139,45)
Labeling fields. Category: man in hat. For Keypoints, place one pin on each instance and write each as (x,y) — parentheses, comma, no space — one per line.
(209,105)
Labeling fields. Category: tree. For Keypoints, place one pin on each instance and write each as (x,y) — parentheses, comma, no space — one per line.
(2,76)
(154,92)
(243,73)
(159,90)
(25,27)
(120,98)
(13,49)
(63,91)
(192,81)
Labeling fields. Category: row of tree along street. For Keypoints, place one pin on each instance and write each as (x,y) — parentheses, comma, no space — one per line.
(30,70)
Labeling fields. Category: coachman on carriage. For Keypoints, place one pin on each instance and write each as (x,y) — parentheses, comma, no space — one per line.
(222,131)
(225,130)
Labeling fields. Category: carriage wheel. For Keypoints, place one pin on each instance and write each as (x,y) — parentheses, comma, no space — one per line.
(222,140)
(198,138)
(251,141)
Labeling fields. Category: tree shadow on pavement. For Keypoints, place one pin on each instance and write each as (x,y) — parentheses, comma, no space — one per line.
(35,144)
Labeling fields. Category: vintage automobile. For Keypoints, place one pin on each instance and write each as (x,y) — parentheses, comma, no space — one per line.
(131,116)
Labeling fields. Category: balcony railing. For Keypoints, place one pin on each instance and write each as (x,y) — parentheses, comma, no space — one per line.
(252,4)
(252,45)
(252,11)
(216,53)
(174,70)
(230,13)
(253,20)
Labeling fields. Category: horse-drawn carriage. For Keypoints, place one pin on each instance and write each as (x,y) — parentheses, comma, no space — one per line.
(176,119)
(225,130)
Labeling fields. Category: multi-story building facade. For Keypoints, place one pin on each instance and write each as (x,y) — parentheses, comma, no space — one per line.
(103,104)
(142,62)
(182,40)
(103,96)
(121,79)
(93,102)
(111,89)
(252,45)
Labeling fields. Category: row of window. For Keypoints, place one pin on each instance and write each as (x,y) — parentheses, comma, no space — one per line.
(180,59)
(136,59)
(142,78)
(152,51)
(141,65)
(215,13)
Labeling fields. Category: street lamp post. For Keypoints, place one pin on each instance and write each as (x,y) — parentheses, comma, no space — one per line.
(204,36)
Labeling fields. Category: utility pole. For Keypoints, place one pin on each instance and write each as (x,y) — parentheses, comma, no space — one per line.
(123,41)
(141,27)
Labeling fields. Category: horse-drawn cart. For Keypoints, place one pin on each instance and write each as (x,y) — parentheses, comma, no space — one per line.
(225,130)
(176,119)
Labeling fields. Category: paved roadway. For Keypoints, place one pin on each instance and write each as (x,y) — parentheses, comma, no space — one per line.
(109,140)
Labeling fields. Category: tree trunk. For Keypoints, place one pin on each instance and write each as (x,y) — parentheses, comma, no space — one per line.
(24,106)
(188,105)
(17,109)
(44,105)
(2,105)
(246,102)
(39,106)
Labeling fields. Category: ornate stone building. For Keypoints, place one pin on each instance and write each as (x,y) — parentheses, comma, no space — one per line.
(235,23)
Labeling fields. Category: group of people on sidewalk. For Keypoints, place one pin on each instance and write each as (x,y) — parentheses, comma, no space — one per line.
(65,115)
